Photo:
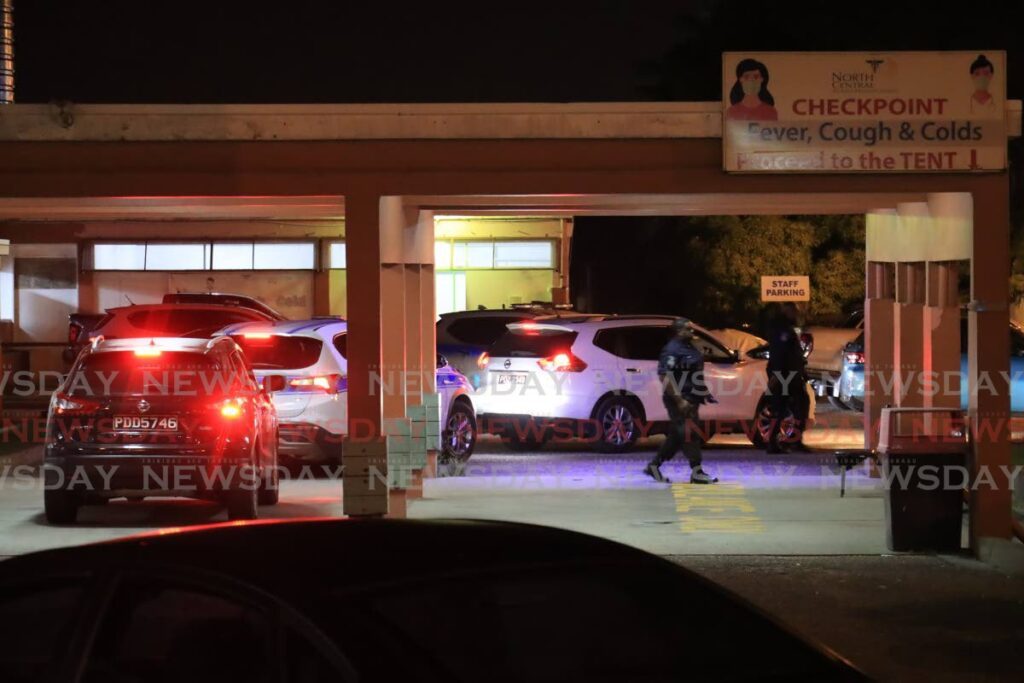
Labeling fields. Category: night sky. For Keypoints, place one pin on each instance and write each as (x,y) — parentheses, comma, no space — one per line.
(559,50)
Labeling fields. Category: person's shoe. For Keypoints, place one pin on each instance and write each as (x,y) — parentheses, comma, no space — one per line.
(654,472)
(699,476)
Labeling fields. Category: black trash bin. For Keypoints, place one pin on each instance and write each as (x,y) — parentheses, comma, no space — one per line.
(923,456)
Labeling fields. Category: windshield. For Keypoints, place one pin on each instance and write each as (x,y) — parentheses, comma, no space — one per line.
(534,343)
(279,353)
(179,373)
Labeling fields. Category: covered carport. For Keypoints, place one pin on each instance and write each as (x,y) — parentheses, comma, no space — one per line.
(396,166)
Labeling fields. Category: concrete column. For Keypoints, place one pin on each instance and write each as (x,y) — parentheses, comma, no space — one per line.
(365,452)
(560,287)
(913,219)
(908,334)
(879,351)
(942,336)
(988,353)
(428,319)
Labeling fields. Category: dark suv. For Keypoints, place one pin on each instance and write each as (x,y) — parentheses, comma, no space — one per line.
(152,417)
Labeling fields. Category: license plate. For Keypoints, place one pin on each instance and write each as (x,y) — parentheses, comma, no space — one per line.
(148,423)
(511,378)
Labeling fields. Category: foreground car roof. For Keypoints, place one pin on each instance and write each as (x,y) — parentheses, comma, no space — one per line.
(311,564)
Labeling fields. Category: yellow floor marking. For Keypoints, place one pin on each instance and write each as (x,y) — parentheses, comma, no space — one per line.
(717,508)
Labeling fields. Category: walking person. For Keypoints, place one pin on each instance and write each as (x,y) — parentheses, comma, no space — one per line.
(786,380)
(681,371)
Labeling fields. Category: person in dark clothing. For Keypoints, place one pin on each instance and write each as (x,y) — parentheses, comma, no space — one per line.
(786,379)
(681,371)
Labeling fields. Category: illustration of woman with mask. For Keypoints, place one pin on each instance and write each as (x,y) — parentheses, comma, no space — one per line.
(981,77)
(749,96)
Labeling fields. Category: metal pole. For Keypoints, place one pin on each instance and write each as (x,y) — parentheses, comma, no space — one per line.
(6,51)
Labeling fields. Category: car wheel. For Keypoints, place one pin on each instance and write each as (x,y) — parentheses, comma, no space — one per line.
(761,430)
(618,419)
(270,487)
(242,502)
(459,437)
(855,404)
(61,507)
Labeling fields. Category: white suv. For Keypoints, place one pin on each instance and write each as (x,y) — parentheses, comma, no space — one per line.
(312,409)
(596,377)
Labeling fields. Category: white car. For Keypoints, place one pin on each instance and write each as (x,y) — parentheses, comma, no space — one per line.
(597,377)
(312,410)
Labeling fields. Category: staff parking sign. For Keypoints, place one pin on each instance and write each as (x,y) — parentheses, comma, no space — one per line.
(785,288)
(859,112)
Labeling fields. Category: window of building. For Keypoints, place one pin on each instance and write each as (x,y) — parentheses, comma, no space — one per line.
(338,256)
(232,256)
(119,256)
(191,256)
(284,256)
(531,254)
(488,254)
(178,256)
(450,292)
(442,255)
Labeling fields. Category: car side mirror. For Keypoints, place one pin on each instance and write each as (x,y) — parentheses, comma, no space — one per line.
(442,362)
(272,383)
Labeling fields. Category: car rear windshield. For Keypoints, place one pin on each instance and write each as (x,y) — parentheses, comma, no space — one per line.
(188,323)
(482,331)
(541,343)
(185,373)
(280,353)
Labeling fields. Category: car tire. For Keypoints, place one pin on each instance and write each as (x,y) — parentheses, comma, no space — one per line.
(242,502)
(270,487)
(619,422)
(61,507)
(838,403)
(855,404)
(759,432)
(458,438)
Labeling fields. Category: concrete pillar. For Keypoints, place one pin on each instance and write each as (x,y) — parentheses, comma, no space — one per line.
(913,218)
(988,353)
(942,335)
(365,452)
(908,334)
(560,287)
(879,350)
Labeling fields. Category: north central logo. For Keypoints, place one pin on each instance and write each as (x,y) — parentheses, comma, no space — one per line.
(143,406)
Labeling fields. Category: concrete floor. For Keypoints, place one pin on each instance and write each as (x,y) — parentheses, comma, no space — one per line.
(764,505)
(898,618)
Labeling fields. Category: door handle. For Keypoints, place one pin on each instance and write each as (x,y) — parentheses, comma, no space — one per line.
(633,370)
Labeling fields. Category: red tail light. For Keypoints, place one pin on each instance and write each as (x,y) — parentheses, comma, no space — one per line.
(562,362)
(855,357)
(63,404)
(231,410)
(483,360)
(328,384)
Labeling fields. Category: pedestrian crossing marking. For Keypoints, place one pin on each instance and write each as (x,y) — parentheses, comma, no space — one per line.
(717,508)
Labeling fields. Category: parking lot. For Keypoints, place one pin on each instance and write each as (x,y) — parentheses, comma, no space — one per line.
(764,504)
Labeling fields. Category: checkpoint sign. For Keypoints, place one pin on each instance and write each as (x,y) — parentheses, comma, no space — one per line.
(861,112)
(785,288)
